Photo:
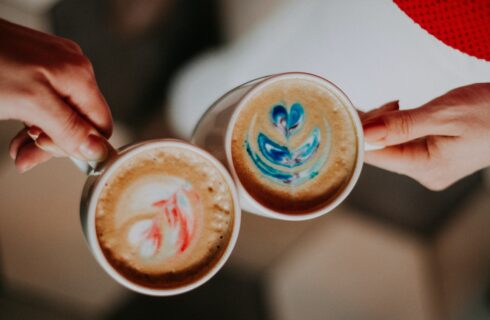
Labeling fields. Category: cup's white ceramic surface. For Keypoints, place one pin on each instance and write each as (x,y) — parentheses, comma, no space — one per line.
(214,133)
(93,187)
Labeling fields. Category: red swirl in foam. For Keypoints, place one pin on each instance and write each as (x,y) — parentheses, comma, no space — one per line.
(172,228)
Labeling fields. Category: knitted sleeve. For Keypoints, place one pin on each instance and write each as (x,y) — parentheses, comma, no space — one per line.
(461,24)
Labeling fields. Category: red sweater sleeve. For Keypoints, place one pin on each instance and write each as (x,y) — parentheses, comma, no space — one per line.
(461,24)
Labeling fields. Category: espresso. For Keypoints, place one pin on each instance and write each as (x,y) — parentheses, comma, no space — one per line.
(164,217)
(294,146)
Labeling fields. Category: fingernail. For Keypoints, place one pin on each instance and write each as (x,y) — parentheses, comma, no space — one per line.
(34,133)
(395,105)
(94,149)
(375,131)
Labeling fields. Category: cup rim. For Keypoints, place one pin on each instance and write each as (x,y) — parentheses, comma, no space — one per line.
(338,93)
(130,151)
(216,103)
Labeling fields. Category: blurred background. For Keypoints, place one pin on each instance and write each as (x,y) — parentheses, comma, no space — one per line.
(393,250)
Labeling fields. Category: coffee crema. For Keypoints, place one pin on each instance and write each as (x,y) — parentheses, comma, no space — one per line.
(164,217)
(294,146)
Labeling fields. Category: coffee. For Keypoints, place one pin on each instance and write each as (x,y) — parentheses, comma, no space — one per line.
(294,145)
(164,217)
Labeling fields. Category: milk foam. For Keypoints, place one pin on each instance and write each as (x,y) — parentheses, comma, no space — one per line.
(176,207)
(281,162)
(163,214)
(294,145)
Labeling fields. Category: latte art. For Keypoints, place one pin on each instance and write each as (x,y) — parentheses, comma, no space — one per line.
(172,227)
(165,217)
(279,160)
(293,145)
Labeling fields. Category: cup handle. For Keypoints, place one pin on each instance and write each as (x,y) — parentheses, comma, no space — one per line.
(87,167)
(95,167)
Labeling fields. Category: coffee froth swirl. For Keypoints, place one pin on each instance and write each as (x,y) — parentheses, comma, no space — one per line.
(171,228)
(165,217)
(281,161)
(294,145)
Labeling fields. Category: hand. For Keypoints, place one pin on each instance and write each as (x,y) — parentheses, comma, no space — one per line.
(438,143)
(47,83)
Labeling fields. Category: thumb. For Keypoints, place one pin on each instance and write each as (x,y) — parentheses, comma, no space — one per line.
(398,127)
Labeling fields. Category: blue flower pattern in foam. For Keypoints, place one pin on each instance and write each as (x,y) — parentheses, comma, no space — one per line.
(277,161)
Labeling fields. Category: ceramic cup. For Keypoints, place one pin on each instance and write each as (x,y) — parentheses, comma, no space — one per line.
(93,187)
(214,131)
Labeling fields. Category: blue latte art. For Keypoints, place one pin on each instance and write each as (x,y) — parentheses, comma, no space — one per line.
(287,123)
(278,161)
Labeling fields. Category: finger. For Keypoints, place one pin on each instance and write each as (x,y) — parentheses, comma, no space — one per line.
(396,127)
(18,141)
(29,156)
(77,84)
(390,106)
(404,158)
(96,148)
(64,126)
(45,143)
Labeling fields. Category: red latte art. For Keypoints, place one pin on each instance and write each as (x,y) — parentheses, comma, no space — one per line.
(172,228)
(165,217)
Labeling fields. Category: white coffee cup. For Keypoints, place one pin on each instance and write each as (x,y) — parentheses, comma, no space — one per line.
(214,133)
(91,192)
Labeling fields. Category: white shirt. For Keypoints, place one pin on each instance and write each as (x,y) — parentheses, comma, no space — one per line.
(370,49)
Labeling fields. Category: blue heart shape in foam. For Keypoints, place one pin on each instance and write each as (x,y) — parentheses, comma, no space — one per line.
(287,122)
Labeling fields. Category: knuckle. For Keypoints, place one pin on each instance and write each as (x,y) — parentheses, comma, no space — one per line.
(448,116)
(72,45)
(32,99)
(61,45)
(448,113)
(83,62)
(403,125)
(72,131)
(73,65)
(68,63)
(82,67)
(452,117)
